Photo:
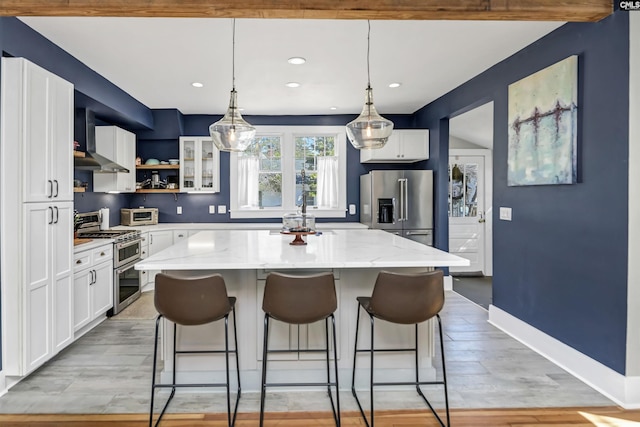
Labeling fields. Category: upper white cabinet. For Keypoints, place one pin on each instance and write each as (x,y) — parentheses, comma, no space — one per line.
(37,216)
(199,165)
(41,106)
(403,146)
(118,145)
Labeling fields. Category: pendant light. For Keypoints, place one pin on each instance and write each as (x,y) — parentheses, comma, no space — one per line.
(232,132)
(369,129)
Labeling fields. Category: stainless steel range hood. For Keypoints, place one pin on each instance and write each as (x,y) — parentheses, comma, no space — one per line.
(92,160)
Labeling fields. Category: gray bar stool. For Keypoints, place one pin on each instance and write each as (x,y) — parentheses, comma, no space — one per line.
(189,301)
(407,299)
(301,300)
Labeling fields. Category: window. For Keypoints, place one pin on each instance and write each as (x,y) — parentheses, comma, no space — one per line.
(267,179)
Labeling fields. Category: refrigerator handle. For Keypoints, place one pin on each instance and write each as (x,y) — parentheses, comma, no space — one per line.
(395,211)
(403,199)
(401,215)
(406,199)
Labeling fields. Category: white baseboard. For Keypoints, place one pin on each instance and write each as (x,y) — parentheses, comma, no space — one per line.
(625,391)
(3,384)
(448,283)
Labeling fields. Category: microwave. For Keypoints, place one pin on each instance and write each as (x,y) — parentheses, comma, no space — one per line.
(139,216)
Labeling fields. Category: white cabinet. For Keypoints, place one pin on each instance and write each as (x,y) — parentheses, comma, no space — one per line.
(118,145)
(199,165)
(42,126)
(36,173)
(157,241)
(403,146)
(47,288)
(92,285)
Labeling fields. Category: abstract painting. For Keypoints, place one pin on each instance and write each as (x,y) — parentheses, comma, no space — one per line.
(543,112)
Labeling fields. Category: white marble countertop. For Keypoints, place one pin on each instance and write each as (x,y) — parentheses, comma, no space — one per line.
(234,226)
(268,249)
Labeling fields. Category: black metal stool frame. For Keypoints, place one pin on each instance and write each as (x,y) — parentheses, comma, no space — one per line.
(231,420)
(334,407)
(417,382)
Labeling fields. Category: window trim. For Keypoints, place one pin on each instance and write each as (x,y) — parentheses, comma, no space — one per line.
(288,134)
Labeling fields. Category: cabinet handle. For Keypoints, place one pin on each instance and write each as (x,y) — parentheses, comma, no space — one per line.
(102,254)
(79,261)
(50,189)
(151,239)
(57,215)
(91,277)
(50,210)
(57,188)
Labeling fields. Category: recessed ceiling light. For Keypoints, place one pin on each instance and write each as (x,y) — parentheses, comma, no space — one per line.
(292,84)
(296,60)
(333,108)
(197,84)
(395,85)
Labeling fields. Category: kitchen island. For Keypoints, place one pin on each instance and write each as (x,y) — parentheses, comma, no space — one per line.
(245,258)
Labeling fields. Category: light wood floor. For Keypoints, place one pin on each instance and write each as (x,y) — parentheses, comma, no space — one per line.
(609,416)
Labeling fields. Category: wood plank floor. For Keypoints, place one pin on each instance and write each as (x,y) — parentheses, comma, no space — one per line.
(609,416)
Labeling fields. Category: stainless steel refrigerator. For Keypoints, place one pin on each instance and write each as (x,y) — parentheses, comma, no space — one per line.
(400,202)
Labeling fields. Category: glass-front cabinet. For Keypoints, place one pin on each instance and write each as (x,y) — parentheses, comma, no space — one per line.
(199,165)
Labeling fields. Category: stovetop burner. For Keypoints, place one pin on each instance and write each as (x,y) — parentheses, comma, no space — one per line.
(119,235)
(90,228)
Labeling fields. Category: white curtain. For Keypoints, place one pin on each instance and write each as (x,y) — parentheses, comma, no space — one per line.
(327,196)
(248,181)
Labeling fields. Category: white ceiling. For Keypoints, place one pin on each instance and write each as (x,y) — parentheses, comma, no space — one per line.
(155,60)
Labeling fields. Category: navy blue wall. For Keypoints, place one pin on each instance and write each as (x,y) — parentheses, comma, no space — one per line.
(561,264)
(158,143)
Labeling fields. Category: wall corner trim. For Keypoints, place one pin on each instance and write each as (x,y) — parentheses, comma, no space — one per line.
(624,391)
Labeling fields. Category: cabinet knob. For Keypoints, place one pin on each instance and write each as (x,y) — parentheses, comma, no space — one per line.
(102,254)
(79,261)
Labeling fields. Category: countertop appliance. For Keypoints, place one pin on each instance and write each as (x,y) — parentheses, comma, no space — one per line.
(138,216)
(127,284)
(399,201)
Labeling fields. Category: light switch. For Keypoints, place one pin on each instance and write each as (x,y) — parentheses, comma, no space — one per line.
(352,209)
(179,210)
(222,209)
(505,213)
(212,209)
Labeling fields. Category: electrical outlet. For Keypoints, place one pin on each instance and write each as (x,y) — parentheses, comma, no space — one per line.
(212,209)
(505,214)
(222,209)
(352,209)
(179,210)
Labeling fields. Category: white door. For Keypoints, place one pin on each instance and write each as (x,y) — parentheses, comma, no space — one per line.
(467,211)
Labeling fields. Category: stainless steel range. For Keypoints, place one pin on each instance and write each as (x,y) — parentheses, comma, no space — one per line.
(126,252)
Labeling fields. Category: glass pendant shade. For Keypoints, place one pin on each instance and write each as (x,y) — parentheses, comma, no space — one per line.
(232,132)
(369,129)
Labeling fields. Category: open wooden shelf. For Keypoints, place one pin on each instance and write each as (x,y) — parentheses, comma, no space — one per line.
(79,189)
(158,190)
(78,153)
(157,167)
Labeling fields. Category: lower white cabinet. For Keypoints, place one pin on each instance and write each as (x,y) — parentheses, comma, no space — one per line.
(92,285)
(152,243)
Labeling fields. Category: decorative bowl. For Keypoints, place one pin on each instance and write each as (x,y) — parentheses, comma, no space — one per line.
(152,162)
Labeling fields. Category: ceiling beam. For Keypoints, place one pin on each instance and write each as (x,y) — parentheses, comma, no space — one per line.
(525,10)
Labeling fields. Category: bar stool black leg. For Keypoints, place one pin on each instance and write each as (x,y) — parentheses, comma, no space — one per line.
(371,374)
(444,371)
(335,362)
(235,338)
(264,368)
(153,376)
(226,360)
